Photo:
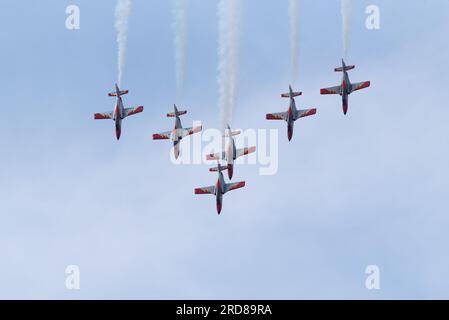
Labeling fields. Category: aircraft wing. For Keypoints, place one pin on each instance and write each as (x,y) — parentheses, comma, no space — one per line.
(277,116)
(331,90)
(205,190)
(360,85)
(105,115)
(244,151)
(216,156)
(305,113)
(162,136)
(233,186)
(189,131)
(132,111)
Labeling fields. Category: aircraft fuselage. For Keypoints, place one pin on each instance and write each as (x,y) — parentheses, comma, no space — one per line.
(291,118)
(118,116)
(231,154)
(219,191)
(345,91)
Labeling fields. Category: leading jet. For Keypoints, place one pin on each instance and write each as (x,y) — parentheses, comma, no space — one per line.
(221,187)
(346,87)
(119,113)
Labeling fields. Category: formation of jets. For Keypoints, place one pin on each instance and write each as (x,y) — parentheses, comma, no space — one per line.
(231,153)
(344,90)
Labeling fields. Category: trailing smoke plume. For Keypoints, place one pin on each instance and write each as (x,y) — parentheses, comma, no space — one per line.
(122,11)
(179,29)
(228,55)
(345,13)
(294,38)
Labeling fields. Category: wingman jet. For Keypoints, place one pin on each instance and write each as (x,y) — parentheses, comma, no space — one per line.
(231,153)
(346,87)
(178,132)
(119,112)
(292,113)
(221,187)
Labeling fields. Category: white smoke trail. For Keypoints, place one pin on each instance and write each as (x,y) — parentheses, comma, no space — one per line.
(294,38)
(122,11)
(179,29)
(345,13)
(228,55)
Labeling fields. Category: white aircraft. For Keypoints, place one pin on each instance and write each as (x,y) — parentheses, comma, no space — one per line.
(231,153)
(221,187)
(178,131)
(119,112)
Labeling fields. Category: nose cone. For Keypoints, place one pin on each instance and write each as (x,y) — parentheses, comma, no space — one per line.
(230,171)
(219,206)
(176,151)
(118,133)
(345,108)
(290,134)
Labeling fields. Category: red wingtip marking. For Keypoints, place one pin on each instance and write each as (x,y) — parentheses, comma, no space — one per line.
(311,112)
(199,191)
(99,116)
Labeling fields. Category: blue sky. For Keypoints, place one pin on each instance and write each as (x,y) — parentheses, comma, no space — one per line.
(351,191)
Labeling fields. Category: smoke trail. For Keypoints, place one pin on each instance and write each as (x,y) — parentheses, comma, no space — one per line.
(122,11)
(228,53)
(179,29)
(345,13)
(294,38)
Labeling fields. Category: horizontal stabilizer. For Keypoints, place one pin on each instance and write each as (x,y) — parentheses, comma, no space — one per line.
(121,93)
(346,68)
(177,114)
(232,133)
(294,94)
(215,156)
(219,168)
